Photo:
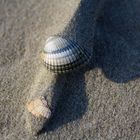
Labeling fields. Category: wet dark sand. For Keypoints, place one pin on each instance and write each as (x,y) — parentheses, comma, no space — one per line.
(99,102)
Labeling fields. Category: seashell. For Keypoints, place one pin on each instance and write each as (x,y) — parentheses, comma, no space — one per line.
(39,108)
(61,55)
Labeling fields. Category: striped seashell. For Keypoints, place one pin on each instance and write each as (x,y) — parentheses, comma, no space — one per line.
(39,108)
(61,55)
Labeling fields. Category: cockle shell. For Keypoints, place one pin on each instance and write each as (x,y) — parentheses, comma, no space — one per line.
(61,55)
(39,108)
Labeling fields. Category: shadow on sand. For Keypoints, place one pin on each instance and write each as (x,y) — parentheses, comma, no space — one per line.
(116,50)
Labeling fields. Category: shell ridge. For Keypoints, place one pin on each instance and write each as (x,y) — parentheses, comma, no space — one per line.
(65,55)
(79,60)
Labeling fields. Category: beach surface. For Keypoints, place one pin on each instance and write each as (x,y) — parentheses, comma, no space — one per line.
(99,102)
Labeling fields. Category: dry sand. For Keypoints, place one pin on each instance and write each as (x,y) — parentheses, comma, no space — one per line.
(100,102)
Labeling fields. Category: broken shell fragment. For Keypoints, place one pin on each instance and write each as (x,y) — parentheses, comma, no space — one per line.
(39,108)
(61,55)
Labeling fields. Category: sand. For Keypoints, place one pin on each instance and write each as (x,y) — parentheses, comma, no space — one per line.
(99,102)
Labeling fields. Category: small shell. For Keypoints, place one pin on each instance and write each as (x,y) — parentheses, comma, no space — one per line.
(61,55)
(39,108)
